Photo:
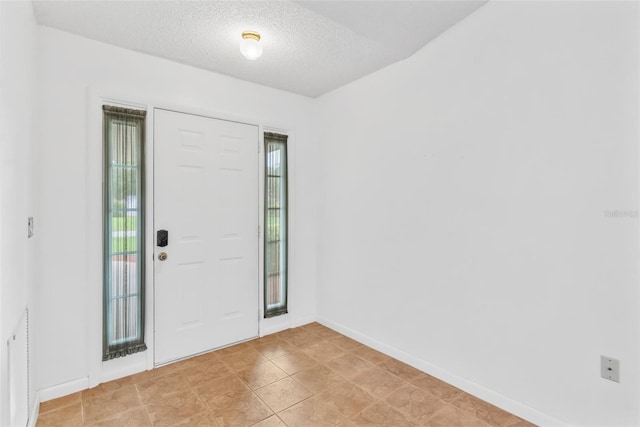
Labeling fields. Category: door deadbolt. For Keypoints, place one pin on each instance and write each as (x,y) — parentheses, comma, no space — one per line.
(162,256)
(162,238)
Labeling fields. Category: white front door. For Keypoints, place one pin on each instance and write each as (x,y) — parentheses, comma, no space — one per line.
(206,198)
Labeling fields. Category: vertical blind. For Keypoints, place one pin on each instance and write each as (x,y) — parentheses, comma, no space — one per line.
(275,220)
(123,224)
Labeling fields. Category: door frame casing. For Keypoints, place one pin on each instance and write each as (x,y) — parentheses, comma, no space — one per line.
(99,371)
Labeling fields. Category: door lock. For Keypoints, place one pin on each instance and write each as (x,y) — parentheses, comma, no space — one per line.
(162,238)
(162,256)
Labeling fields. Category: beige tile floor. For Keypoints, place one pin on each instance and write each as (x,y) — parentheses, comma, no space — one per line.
(308,376)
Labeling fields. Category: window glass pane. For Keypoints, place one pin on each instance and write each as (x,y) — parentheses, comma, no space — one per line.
(124,143)
(274,192)
(123,233)
(275,279)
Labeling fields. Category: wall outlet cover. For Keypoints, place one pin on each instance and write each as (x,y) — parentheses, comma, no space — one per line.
(610,368)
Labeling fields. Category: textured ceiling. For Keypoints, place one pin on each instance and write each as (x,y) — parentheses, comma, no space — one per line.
(310,47)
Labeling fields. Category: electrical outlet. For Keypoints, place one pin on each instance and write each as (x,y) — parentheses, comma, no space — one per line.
(610,368)
(30,227)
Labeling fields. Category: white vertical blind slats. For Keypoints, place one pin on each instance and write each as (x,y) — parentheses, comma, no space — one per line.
(123,232)
(275,224)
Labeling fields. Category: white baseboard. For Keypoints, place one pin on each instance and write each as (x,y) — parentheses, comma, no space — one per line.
(470,387)
(282,323)
(121,367)
(274,324)
(63,389)
(301,321)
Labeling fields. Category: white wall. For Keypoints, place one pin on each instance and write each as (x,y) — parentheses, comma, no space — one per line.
(463,221)
(73,72)
(463,196)
(17,75)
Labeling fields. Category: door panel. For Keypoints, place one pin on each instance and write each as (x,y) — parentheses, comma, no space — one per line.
(206,196)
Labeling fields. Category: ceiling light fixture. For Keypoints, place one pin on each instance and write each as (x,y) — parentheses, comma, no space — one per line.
(250,45)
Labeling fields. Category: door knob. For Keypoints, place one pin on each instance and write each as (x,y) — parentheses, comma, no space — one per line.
(162,256)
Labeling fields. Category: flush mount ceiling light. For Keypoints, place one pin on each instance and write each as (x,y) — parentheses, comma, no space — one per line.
(250,45)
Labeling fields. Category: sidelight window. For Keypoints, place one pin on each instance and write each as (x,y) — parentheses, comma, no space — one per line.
(275,224)
(123,226)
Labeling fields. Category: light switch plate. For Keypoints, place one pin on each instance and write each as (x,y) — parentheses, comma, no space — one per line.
(610,368)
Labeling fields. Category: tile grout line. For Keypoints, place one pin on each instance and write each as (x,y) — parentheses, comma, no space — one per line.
(383,398)
(438,411)
(376,400)
(473,413)
(290,406)
(297,343)
(200,399)
(194,390)
(259,398)
(144,405)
